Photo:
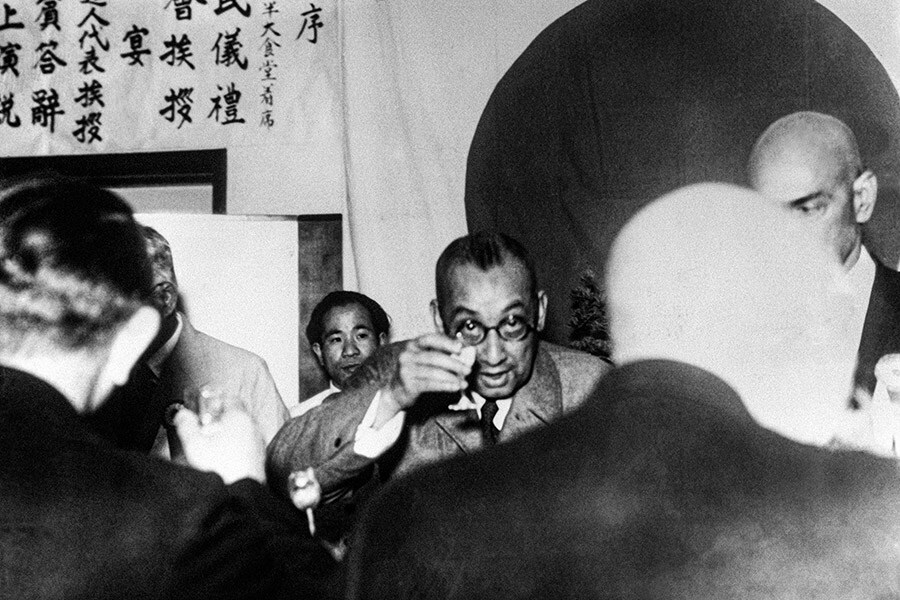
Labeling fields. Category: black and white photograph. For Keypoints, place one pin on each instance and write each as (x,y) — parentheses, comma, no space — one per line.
(434,299)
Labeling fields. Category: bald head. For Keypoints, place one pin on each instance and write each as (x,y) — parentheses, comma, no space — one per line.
(809,163)
(743,293)
(823,141)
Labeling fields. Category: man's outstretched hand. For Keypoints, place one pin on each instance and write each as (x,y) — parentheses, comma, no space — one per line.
(430,363)
(230,445)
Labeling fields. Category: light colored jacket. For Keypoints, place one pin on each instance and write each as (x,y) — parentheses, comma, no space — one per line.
(323,438)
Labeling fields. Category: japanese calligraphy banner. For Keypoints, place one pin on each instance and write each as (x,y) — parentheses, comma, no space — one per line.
(127,75)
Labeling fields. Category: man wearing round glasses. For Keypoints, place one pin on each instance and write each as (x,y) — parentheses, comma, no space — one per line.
(482,378)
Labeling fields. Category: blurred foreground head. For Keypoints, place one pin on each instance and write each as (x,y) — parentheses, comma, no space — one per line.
(711,276)
(73,275)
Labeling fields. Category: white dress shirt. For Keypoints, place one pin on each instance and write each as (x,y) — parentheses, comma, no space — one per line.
(372,443)
(155,362)
(862,276)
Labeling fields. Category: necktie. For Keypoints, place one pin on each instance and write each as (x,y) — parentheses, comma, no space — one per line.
(489,432)
(145,386)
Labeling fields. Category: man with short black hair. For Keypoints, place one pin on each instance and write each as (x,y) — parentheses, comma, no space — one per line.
(482,378)
(80,518)
(345,328)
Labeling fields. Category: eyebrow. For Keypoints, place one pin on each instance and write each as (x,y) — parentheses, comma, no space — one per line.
(798,202)
(462,309)
(355,328)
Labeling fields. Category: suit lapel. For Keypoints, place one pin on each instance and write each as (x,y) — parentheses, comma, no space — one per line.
(185,368)
(538,402)
(462,427)
(881,329)
(175,376)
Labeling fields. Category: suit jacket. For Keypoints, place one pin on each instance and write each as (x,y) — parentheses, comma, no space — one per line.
(661,486)
(199,359)
(881,328)
(323,437)
(80,519)
(134,416)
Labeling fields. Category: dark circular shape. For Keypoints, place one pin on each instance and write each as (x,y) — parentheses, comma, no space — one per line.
(620,101)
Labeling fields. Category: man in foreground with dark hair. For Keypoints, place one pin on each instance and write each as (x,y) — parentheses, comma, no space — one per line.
(345,328)
(697,469)
(482,378)
(80,518)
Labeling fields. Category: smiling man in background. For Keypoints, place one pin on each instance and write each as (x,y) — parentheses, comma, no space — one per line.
(345,328)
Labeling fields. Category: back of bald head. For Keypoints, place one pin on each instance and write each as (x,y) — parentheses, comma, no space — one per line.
(820,139)
(711,276)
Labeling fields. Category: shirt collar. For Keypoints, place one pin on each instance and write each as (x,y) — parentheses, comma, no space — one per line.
(865,265)
(156,361)
(861,277)
(471,400)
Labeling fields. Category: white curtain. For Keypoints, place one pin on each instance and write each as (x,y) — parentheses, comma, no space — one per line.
(416,76)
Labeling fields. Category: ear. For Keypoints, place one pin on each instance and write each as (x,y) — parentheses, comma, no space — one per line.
(317,350)
(129,343)
(168,298)
(436,316)
(865,191)
(382,338)
(542,309)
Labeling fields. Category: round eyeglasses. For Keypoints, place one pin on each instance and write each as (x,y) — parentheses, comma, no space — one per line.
(512,329)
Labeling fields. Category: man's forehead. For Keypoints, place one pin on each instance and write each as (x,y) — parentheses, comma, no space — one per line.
(470,287)
(788,176)
(354,312)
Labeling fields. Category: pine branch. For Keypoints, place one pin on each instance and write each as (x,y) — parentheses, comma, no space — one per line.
(589,323)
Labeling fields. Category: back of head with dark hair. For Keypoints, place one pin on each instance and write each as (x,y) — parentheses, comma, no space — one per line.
(73,266)
(485,250)
(315,329)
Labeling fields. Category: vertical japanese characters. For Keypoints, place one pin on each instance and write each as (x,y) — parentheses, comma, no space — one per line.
(62,60)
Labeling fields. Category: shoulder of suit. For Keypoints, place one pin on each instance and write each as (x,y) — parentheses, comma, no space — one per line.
(579,373)
(572,360)
(197,340)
